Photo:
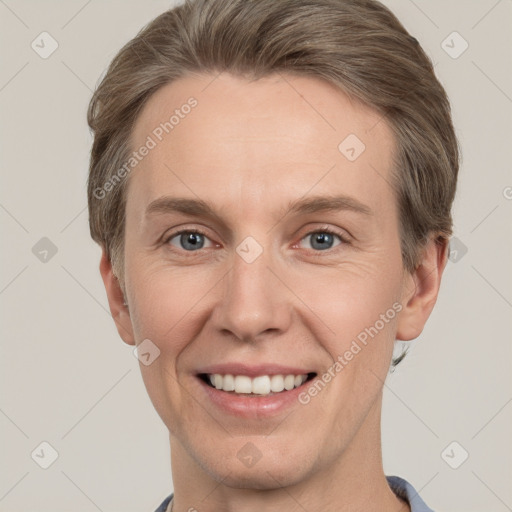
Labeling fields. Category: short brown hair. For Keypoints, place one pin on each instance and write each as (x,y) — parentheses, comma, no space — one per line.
(357,45)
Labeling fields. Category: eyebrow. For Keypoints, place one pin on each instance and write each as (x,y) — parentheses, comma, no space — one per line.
(200,208)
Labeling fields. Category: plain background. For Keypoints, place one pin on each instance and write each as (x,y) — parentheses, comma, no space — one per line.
(68,379)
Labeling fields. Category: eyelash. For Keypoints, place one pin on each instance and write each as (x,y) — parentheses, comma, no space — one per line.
(343,238)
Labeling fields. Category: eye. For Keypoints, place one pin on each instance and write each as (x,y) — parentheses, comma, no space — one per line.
(323,239)
(190,240)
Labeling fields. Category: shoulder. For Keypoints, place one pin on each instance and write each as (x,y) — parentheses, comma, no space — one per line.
(403,489)
(164,504)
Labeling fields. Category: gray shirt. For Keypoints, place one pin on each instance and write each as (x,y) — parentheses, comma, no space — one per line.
(402,488)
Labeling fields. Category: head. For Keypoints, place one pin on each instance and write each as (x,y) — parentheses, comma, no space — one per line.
(250,107)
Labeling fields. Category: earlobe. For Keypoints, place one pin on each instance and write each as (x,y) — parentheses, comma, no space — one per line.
(118,308)
(421,289)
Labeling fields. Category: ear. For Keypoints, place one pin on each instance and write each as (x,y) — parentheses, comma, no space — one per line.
(421,288)
(115,296)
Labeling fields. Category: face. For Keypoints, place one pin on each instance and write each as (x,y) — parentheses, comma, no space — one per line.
(260,253)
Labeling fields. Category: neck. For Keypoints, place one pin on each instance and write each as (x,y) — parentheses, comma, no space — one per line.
(353,481)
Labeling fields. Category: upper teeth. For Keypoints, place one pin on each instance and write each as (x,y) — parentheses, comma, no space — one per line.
(261,385)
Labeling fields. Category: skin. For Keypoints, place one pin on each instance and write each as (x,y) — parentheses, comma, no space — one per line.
(249,148)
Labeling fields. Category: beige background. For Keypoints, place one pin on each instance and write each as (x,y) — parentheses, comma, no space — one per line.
(66,377)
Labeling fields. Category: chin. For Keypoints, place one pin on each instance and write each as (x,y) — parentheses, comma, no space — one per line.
(274,469)
(265,478)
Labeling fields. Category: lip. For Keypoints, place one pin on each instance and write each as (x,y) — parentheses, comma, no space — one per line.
(252,407)
(253,370)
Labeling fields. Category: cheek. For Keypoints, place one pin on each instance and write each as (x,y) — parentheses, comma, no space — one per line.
(360,310)
(338,303)
(164,309)
(167,302)
(152,293)
(348,300)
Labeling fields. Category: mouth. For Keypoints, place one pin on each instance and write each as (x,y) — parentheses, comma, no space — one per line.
(256,386)
(253,391)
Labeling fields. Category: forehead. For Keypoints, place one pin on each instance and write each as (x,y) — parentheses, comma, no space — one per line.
(259,143)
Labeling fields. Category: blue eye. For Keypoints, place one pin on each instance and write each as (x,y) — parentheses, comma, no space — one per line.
(189,240)
(323,240)
(192,240)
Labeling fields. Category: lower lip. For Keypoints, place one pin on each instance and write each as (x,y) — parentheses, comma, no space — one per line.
(253,406)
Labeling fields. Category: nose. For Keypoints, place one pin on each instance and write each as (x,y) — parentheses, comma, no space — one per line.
(254,302)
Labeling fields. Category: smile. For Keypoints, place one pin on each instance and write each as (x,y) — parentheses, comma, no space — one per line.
(252,391)
(260,385)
